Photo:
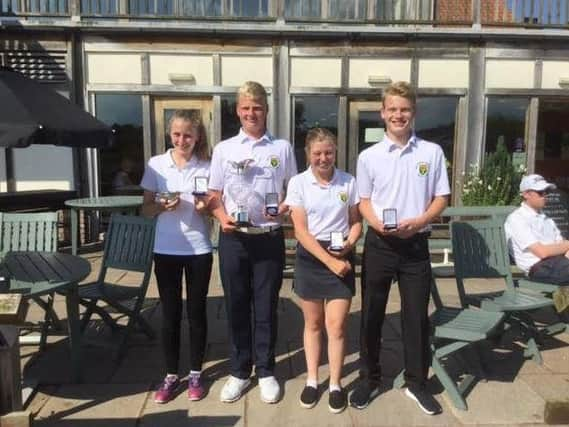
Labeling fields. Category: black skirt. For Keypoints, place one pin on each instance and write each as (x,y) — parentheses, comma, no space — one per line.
(313,280)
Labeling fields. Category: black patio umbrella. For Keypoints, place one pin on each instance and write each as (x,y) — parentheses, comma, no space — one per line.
(31,113)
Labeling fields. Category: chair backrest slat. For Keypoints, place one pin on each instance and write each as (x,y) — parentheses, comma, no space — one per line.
(480,251)
(129,243)
(28,232)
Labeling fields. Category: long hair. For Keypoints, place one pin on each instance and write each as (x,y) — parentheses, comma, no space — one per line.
(201,149)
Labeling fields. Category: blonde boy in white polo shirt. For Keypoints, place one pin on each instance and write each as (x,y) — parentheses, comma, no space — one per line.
(251,259)
(408,174)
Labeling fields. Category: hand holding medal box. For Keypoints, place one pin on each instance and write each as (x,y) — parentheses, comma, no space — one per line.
(200,186)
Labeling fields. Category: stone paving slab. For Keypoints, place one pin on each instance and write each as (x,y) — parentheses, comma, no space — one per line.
(109,405)
(181,412)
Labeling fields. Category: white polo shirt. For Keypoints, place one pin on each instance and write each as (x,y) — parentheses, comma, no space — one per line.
(327,206)
(182,231)
(524,227)
(405,178)
(272,167)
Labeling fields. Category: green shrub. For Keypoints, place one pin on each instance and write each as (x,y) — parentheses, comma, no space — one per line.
(496,183)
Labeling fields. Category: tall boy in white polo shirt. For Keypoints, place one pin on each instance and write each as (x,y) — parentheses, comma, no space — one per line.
(405,173)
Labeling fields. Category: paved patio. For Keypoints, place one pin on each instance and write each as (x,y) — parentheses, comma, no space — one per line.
(515,392)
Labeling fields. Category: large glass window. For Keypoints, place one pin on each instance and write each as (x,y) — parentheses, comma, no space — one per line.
(506,123)
(552,145)
(122,165)
(311,112)
(436,121)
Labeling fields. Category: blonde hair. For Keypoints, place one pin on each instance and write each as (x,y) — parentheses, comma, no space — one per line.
(318,135)
(402,89)
(201,149)
(253,90)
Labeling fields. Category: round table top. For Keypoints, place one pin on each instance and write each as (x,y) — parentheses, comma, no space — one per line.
(105,202)
(37,273)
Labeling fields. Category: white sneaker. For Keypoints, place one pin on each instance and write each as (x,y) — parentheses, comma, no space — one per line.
(270,389)
(233,389)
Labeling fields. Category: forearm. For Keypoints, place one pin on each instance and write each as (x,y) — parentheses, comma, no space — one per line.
(216,206)
(309,242)
(150,208)
(354,234)
(435,209)
(542,250)
(366,209)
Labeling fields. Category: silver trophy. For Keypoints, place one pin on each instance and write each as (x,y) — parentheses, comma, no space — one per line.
(241,191)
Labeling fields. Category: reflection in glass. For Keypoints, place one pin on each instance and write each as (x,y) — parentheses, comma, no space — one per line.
(552,145)
(505,121)
(369,122)
(302,9)
(435,121)
(122,165)
(230,124)
(311,112)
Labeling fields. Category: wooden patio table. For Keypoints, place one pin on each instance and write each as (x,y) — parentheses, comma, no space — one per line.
(40,273)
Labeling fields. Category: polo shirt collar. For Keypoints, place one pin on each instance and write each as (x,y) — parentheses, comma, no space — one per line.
(391,146)
(170,160)
(528,210)
(243,137)
(313,179)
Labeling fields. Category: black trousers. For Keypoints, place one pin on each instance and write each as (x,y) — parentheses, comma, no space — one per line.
(407,261)
(169,270)
(553,270)
(251,269)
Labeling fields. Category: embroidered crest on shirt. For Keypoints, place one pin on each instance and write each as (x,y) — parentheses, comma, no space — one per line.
(423,168)
(343,196)
(274,161)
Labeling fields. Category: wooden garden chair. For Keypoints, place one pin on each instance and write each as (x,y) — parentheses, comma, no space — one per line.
(129,245)
(32,232)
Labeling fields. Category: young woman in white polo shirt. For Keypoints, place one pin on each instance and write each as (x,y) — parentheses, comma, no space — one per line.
(182,245)
(323,200)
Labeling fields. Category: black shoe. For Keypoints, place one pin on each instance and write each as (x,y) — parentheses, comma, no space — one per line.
(337,401)
(308,397)
(424,399)
(364,393)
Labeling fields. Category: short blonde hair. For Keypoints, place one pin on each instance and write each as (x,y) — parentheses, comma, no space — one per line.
(402,89)
(253,90)
(319,135)
(195,119)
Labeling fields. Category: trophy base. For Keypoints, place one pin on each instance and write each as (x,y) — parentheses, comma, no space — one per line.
(272,210)
(243,224)
(199,193)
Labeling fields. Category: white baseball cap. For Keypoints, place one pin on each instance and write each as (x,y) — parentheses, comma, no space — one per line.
(535,182)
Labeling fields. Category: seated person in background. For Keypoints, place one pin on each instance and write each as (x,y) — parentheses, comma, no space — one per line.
(534,240)
(122,177)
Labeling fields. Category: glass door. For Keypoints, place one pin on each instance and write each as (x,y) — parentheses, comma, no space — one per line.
(164,108)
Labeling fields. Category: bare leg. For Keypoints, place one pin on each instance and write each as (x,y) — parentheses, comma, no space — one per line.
(313,311)
(336,314)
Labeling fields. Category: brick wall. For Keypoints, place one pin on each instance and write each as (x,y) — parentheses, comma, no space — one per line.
(461,10)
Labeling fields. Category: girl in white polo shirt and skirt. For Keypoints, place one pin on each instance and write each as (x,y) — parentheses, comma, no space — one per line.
(324,210)
(174,185)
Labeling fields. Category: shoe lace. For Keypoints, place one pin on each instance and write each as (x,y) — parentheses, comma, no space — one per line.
(168,383)
(194,381)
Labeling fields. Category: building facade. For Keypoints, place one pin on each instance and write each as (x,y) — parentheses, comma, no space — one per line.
(487,71)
